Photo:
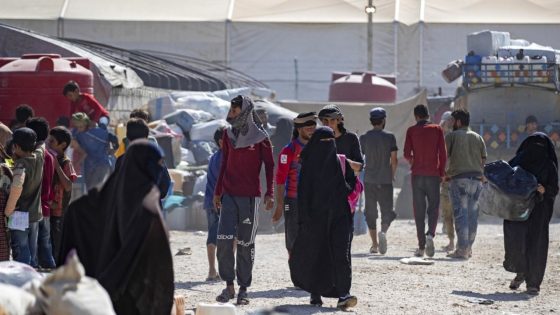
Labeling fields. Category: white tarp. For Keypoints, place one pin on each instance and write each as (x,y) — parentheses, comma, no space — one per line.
(411,38)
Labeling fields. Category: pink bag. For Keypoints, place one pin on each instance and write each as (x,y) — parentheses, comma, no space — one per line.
(354,196)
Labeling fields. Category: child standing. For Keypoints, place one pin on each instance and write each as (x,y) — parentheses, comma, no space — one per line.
(24,203)
(59,139)
(212,214)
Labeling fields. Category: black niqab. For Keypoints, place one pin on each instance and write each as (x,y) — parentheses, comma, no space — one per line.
(320,261)
(526,242)
(123,241)
(536,155)
(321,184)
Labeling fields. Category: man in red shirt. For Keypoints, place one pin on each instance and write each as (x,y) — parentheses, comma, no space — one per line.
(287,174)
(83,102)
(246,146)
(424,148)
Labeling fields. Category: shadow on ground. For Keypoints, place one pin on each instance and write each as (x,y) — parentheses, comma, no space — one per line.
(278,293)
(295,309)
(191,284)
(497,296)
(380,257)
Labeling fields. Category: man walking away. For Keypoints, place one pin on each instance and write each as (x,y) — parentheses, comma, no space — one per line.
(287,176)
(467,154)
(380,149)
(424,148)
(445,202)
(246,147)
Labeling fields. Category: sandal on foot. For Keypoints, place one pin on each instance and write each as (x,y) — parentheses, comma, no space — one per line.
(347,302)
(532,291)
(242,298)
(225,296)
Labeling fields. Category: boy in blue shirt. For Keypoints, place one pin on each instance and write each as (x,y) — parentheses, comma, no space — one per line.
(211,212)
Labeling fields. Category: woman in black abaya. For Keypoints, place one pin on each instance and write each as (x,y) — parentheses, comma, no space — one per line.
(320,262)
(526,242)
(120,236)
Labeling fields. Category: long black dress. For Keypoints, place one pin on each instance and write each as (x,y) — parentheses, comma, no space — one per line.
(120,237)
(526,242)
(320,262)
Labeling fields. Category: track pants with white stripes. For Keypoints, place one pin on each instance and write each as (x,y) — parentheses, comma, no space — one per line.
(238,219)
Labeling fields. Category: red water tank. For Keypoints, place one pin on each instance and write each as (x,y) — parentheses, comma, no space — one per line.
(362,87)
(37,80)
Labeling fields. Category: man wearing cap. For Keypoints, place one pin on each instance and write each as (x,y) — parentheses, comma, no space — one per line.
(380,150)
(446,207)
(287,174)
(347,143)
(424,148)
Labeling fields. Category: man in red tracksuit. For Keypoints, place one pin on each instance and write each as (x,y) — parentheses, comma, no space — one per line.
(246,146)
(424,148)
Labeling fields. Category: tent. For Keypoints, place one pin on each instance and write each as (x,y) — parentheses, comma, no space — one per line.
(285,43)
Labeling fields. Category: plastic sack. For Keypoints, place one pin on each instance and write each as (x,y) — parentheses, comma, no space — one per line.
(181,118)
(494,202)
(206,101)
(509,193)
(200,184)
(16,301)
(202,151)
(486,43)
(512,181)
(17,274)
(205,131)
(68,291)
(188,156)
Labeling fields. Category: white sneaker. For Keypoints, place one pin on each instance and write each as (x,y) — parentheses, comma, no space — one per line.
(430,249)
(382,237)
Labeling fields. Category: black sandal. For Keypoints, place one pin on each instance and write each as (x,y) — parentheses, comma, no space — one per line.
(225,296)
(242,298)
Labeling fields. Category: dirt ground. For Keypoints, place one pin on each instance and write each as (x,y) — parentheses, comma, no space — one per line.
(382,284)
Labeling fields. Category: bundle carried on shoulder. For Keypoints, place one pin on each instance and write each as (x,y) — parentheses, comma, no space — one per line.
(509,193)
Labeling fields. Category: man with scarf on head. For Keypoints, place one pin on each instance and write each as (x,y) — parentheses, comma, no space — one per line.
(320,261)
(526,242)
(287,174)
(246,147)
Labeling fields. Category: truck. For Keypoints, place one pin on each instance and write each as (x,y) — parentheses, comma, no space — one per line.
(503,93)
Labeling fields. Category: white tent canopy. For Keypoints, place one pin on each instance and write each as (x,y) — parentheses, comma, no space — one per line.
(414,39)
